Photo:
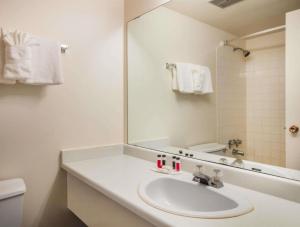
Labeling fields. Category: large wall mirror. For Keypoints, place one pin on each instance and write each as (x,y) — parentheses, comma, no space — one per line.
(207,80)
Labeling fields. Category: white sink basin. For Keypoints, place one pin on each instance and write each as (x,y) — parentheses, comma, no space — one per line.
(188,198)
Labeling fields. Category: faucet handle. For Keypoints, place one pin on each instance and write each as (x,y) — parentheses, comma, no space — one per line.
(223,161)
(218,174)
(198,172)
(238,142)
(199,168)
(216,180)
(238,152)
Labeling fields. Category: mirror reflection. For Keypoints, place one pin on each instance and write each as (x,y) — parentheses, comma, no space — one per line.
(207,80)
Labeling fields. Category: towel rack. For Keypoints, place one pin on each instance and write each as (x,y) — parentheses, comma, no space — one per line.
(64,48)
(170,66)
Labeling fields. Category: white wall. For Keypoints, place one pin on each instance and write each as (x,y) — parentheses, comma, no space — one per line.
(133,9)
(292,88)
(155,111)
(36,122)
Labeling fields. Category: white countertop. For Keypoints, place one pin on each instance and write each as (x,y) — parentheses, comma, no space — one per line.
(118,177)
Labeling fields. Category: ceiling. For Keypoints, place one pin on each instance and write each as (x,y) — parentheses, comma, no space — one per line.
(242,18)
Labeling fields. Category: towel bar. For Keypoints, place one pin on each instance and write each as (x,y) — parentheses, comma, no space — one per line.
(170,66)
(64,48)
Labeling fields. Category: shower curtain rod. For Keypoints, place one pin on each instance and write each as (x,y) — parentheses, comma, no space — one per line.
(267,31)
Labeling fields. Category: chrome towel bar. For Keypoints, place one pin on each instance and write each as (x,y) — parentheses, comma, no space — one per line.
(64,48)
(170,66)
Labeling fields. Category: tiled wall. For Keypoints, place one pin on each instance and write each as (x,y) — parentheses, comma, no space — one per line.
(231,96)
(265,75)
(251,98)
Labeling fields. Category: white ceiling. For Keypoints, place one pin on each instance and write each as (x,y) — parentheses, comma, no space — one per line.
(242,18)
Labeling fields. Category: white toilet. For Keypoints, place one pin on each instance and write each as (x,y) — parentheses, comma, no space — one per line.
(11,202)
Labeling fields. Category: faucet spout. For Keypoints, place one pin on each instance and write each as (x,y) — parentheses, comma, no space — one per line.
(202,178)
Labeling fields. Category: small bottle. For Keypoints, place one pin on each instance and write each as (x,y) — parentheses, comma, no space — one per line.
(164,160)
(159,162)
(178,164)
(174,162)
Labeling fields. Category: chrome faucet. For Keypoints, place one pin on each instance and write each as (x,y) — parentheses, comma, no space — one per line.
(231,143)
(238,162)
(238,152)
(207,180)
(234,142)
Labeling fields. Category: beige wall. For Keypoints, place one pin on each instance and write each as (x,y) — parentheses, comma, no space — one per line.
(155,111)
(135,8)
(36,122)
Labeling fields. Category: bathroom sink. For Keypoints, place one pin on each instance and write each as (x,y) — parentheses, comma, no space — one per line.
(188,198)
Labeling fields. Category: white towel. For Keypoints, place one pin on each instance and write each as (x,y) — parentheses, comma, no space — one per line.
(198,78)
(202,83)
(2,57)
(46,64)
(18,55)
(185,77)
(191,79)
(174,79)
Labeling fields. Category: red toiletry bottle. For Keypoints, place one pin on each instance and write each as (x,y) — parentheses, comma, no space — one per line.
(159,162)
(178,164)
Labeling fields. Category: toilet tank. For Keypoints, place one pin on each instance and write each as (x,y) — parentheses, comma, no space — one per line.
(11,202)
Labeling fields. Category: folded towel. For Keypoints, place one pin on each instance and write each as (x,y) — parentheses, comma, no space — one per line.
(2,57)
(198,78)
(191,79)
(46,63)
(185,77)
(202,83)
(18,55)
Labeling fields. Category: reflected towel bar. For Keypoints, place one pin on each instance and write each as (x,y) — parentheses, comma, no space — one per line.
(170,66)
(64,48)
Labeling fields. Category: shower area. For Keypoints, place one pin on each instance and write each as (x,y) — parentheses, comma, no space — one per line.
(250,95)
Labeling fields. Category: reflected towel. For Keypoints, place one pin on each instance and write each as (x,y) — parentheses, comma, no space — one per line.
(184,77)
(198,78)
(202,83)
(174,79)
(192,79)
